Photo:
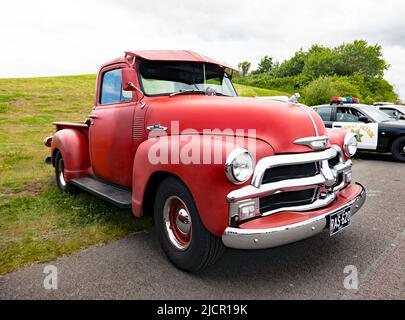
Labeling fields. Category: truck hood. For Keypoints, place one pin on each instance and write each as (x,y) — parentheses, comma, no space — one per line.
(277,123)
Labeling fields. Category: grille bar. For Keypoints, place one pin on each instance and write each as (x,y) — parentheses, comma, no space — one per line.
(290,172)
(287,199)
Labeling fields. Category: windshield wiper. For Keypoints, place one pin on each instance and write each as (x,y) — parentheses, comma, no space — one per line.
(221,94)
(187,91)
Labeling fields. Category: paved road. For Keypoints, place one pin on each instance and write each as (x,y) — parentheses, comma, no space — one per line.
(135,268)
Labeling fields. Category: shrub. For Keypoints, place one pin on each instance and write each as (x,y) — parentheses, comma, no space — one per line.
(345,88)
(352,69)
(319,91)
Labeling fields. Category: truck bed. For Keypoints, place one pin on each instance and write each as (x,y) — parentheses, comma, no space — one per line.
(60,125)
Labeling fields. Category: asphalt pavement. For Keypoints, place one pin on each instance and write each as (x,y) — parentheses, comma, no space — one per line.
(136,268)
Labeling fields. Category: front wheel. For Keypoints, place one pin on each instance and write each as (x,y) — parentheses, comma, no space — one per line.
(398,149)
(61,182)
(184,239)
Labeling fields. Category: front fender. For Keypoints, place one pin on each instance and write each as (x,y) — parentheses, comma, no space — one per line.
(74,147)
(337,137)
(206,180)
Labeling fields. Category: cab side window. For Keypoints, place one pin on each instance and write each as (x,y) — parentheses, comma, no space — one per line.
(325,113)
(111,88)
(344,114)
(391,112)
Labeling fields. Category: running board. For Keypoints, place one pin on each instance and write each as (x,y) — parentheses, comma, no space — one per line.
(118,196)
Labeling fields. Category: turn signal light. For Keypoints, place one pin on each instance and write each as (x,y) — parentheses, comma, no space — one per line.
(248,211)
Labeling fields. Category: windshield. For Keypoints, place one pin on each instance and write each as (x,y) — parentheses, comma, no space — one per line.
(401,109)
(375,114)
(165,78)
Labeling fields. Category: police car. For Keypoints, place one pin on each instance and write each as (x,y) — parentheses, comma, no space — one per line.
(391,109)
(374,129)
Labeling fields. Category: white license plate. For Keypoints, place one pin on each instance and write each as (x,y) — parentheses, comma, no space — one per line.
(340,220)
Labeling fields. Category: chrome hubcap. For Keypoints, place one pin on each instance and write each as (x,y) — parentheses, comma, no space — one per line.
(61,168)
(177,222)
(183,222)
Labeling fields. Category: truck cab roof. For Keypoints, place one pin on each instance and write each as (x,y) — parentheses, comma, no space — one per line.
(169,55)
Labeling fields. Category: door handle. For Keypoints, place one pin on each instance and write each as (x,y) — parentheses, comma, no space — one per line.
(92,117)
(338,126)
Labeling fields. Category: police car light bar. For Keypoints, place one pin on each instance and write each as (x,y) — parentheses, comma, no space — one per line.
(344,100)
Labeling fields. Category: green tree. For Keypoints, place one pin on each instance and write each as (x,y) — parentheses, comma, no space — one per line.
(351,69)
(265,65)
(359,57)
(321,62)
(244,67)
(293,66)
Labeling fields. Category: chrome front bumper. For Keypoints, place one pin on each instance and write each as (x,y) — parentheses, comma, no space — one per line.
(249,239)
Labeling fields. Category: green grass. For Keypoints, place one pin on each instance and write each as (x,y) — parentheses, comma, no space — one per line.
(248,91)
(51,224)
(37,222)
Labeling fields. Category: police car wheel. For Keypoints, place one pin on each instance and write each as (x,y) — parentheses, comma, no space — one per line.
(398,149)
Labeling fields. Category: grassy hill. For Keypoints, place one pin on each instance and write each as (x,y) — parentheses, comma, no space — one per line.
(37,222)
(248,91)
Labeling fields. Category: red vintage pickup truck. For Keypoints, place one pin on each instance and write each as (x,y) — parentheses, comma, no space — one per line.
(168,135)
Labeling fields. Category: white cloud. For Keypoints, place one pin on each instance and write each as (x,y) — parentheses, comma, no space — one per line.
(52,37)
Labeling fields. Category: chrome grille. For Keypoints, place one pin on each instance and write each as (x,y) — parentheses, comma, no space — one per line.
(293,182)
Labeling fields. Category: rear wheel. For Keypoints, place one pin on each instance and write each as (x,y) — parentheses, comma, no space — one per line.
(398,149)
(60,175)
(184,239)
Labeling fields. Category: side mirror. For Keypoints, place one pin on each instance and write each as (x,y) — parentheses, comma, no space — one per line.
(364,119)
(128,77)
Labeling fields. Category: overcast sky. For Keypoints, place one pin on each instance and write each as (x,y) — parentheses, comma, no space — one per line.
(53,37)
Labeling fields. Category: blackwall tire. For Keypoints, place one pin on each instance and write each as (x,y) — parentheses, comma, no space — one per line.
(182,236)
(398,149)
(62,184)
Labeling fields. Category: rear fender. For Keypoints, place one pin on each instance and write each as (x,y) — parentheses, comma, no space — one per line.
(206,180)
(74,147)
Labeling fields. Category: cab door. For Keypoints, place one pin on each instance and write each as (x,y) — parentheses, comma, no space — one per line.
(347,118)
(111,148)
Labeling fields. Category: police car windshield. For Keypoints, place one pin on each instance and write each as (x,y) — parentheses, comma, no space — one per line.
(401,108)
(375,114)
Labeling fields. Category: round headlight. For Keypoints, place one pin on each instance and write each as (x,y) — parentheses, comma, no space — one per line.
(350,145)
(239,166)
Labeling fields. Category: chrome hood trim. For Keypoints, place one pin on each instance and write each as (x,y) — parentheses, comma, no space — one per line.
(304,108)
